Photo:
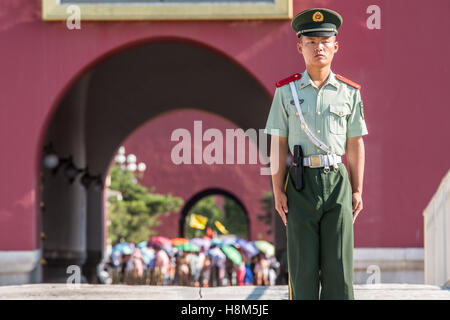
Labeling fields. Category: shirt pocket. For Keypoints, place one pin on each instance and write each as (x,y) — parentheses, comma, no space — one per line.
(292,109)
(338,118)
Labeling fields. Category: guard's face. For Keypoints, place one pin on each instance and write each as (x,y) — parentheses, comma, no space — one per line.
(318,51)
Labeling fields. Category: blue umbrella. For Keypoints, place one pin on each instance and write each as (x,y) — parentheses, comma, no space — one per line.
(216,241)
(123,248)
(148,255)
(118,247)
(248,247)
(127,249)
(141,245)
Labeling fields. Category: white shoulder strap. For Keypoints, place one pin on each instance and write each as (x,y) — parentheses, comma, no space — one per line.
(303,124)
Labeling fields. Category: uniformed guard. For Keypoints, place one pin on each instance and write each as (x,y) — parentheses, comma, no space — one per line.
(318,117)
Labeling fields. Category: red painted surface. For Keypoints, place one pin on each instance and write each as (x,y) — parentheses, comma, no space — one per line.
(402,68)
(151,143)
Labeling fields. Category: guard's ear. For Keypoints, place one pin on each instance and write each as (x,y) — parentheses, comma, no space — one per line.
(336,44)
(299,47)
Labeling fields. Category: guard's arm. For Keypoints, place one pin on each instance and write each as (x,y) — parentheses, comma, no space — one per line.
(278,170)
(278,163)
(355,159)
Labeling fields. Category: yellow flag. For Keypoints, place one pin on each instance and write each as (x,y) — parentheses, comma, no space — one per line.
(221,227)
(198,222)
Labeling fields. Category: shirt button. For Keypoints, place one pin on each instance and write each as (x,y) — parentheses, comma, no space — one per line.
(318,112)
(318,150)
(318,131)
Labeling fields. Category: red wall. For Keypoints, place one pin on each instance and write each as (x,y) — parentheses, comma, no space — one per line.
(151,143)
(402,68)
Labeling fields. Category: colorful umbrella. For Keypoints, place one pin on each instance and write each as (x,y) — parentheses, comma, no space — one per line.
(148,255)
(217,256)
(229,241)
(232,254)
(118,247)
(266,247)
(178,241)
(201,242)
(124,248)
(248,247)
(188,247)
(216,242)
(141,245)
(160,241)
(127,250)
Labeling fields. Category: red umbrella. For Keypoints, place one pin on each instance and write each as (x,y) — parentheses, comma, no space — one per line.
(160,240)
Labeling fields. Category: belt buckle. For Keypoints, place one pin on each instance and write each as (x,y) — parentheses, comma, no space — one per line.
(315,161)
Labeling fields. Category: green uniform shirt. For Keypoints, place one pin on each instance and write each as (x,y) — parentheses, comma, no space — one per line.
(333,113)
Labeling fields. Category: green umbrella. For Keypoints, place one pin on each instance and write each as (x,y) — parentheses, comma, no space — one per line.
(266,247)
(232,254)
(188,247)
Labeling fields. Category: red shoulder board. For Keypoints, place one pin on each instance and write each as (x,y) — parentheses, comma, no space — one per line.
(288,79)
(349,82)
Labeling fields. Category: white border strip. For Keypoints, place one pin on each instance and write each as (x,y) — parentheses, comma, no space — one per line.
(19,261)
(388,254)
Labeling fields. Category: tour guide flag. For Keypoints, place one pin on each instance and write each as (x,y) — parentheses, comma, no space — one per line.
(221,227)
(198,222)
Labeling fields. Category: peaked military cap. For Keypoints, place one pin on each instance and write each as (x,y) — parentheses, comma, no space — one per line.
(317,22)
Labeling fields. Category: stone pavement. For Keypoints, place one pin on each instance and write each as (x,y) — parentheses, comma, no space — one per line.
(124,292)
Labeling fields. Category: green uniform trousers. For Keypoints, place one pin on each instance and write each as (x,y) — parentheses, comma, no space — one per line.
(320,235)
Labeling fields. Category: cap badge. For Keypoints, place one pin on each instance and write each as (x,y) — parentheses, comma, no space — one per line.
(317,16)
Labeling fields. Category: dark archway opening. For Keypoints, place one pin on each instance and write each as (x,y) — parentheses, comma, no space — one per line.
(233,202)
(105,106)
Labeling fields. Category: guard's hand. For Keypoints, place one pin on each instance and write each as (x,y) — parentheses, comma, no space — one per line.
(281,206)
(357,204)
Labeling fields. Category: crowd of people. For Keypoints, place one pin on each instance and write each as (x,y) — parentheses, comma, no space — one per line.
(213,264)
